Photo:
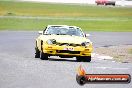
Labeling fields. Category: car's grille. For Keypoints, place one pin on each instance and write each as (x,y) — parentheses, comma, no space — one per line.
(68,44)
(66,51)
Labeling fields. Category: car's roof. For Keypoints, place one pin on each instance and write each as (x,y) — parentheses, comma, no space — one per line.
(73,27)
(65,26)
(57,26)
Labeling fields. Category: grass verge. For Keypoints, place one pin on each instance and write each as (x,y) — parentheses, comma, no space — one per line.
(121,53)
(89,18)
(89,24)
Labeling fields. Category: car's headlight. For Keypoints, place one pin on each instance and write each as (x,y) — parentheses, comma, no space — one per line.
(51,41)
(85,43)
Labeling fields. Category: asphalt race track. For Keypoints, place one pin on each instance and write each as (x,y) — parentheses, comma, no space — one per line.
(19,68)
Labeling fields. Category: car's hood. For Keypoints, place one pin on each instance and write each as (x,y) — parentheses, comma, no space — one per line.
(66,38)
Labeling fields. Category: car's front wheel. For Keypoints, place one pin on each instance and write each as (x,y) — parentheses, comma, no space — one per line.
(43,56)
(83,58)
(37,53)
(79,59)
(87,59)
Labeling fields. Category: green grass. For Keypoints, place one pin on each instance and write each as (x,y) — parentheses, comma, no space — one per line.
(130,51)
(61,10)
(89,25)
(91,18)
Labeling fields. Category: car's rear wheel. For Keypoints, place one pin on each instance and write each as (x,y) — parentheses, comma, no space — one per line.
(37,53)
(105,4)
(43,56)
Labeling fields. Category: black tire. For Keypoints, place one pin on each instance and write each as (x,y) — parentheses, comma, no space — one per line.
(83,58)
(43,56)
(78,59)
(37,53)
(87,59)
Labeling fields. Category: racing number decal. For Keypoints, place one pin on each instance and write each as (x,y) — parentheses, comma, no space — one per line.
(70,49)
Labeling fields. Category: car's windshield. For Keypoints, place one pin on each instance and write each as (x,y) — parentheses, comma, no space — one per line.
(64,31)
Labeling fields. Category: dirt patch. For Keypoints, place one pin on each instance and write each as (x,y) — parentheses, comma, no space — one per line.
(121,53)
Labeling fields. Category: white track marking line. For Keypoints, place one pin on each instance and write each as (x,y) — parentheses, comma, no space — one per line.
(101,57)
(66,18)
(111,68)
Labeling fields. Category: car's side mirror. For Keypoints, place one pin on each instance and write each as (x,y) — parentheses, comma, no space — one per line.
(40,32)
(87,35)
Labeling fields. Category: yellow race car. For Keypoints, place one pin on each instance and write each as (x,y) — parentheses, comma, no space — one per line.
(63,41)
